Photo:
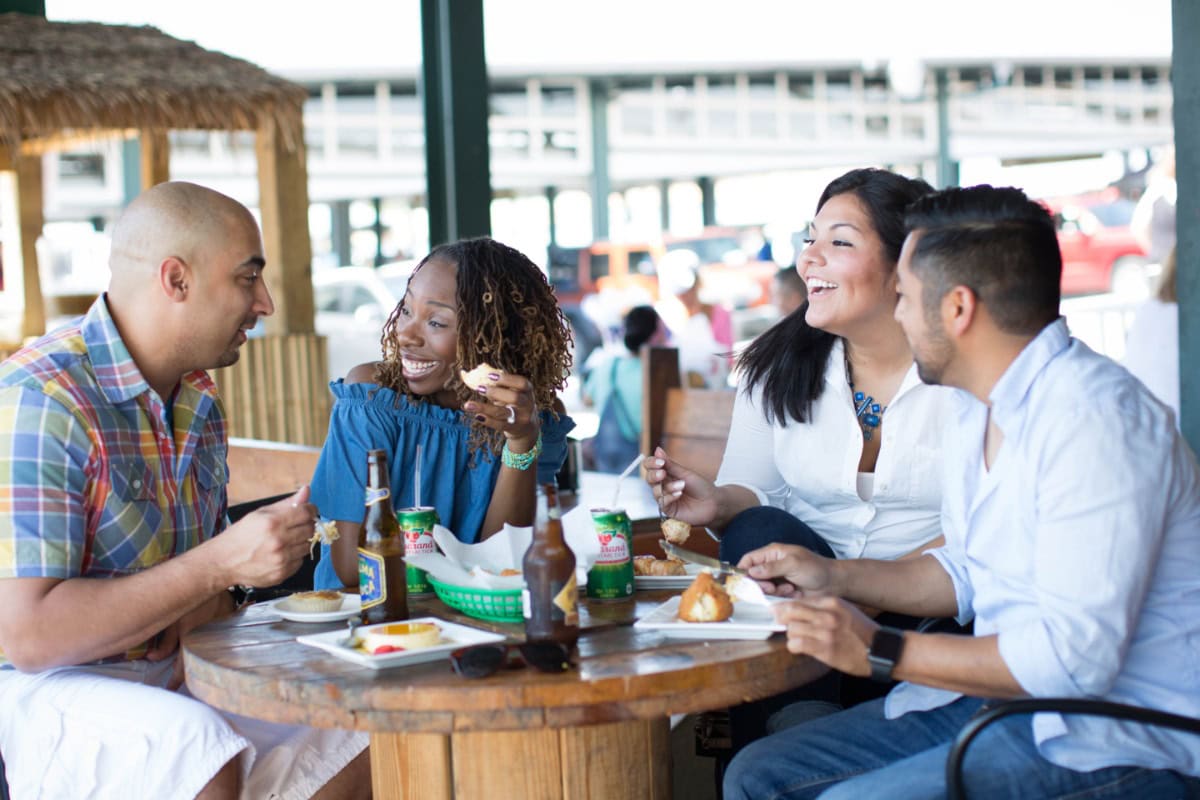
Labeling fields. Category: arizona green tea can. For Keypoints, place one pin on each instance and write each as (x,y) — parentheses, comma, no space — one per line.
(611,577)
(417,526)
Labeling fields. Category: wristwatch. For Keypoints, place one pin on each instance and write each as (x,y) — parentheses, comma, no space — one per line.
(240,595)
(885,652)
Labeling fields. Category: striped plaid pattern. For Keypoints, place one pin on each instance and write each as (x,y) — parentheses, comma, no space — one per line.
(95,481)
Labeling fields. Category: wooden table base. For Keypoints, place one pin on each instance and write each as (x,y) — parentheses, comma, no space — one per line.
(614,761)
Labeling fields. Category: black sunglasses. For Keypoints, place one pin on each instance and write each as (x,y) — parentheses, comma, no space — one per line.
(485,659)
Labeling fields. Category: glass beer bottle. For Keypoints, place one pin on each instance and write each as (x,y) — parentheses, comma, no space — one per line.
(382,582)
(551,594)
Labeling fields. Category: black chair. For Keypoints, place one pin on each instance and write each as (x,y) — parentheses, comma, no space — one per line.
(956,789)
(300,581)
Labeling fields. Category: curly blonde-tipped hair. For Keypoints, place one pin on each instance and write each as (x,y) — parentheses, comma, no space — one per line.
(507,316)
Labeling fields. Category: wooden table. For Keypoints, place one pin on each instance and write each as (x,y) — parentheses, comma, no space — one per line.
(598,731)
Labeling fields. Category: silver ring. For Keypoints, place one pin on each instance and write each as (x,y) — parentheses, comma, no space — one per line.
(512,413)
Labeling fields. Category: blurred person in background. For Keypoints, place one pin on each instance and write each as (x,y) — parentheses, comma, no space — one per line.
(1153,222)
(788,291)
(835,443)
(468,303)
(702,357)
(615,387)
(1152,344)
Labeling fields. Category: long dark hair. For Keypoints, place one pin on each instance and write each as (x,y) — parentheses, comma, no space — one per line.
(790,358)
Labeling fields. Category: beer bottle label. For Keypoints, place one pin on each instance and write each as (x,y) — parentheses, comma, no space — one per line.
(563,606)
(375,495)
(566,601)
(372,583)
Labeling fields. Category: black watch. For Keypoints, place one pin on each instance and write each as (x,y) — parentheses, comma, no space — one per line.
(885,652)
(241,595)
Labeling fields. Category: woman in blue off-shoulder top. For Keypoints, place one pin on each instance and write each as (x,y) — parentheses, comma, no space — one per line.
(468,304)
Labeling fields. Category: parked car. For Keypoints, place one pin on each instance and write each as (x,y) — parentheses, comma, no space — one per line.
(352,304)
(1100,253)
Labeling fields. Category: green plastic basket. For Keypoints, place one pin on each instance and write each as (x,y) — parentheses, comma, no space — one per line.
(494,605)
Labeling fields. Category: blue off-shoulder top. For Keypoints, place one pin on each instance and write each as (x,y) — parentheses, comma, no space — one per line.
(367,417)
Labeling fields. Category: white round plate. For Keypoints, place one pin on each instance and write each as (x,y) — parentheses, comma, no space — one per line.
(350,606)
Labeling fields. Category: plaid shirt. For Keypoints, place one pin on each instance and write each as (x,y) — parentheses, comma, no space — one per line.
(95,481)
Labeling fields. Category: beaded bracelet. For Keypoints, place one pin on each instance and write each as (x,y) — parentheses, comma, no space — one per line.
(521,461)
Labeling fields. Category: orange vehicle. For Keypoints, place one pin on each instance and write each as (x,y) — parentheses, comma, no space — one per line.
(576,272)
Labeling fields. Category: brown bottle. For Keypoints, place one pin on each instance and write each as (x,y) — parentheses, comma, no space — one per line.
(382,580)
(551,594)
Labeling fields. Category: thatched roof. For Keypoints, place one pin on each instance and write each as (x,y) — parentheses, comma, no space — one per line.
(81,78)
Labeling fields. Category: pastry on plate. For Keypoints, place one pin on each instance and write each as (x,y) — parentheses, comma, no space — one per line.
(705,601)
(315,602)
(649,565)
(478,376)
(675,531)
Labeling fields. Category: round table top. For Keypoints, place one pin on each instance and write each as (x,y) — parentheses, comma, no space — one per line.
(252,664)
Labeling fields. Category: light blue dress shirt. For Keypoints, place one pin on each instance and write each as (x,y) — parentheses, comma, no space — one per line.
(1080,549)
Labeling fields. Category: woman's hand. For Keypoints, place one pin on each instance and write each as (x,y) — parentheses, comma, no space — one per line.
(681,493)
(506,404)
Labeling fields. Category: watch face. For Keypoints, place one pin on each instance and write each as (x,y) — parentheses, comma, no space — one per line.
(885,652)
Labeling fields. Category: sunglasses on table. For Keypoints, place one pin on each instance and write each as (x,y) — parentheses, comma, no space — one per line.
(483,660)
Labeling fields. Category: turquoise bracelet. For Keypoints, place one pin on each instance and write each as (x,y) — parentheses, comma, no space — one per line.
(521,461)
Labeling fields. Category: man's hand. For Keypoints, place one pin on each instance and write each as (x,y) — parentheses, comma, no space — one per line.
(267,545)
(830,630)
(788,569)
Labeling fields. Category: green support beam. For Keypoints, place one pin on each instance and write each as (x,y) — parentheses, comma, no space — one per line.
(947,168)
(708,200)
(454,93)
(35,7)
(552,220)
(600,183)
(1185,82)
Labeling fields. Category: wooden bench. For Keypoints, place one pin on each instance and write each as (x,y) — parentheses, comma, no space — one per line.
(691,425)
(258,468)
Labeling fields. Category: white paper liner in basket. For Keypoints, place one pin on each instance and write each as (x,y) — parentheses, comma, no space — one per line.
(480,565)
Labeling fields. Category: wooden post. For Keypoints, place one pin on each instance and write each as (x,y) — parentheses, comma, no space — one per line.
(30,220)
(283,201)
(156,158)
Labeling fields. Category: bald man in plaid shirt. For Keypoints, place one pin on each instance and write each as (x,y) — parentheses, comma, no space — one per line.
(112,491)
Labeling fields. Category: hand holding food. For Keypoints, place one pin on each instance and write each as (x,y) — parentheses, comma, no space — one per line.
(478,376)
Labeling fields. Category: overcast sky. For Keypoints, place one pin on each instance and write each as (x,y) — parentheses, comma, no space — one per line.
(316,37)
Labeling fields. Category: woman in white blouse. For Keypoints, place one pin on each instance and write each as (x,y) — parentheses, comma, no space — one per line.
(835,441)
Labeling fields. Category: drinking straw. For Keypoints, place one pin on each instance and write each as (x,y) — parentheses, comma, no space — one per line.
(417,481)
(617,491)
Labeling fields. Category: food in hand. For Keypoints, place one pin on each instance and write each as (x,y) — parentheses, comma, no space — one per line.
(315,602)
(649,565)
(705,601)
(478,376)
(399,636)
(323,533)
(676,531)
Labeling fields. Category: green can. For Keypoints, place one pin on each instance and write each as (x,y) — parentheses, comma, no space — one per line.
(611,578)
(417,526)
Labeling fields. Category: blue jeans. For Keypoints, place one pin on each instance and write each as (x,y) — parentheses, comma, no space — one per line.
(858,753)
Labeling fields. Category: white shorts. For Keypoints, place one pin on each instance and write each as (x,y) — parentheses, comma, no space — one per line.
(110,731)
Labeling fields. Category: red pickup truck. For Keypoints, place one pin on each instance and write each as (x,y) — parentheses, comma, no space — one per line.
(1099,251)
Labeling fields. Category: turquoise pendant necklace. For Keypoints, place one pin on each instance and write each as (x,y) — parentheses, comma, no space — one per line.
(866,409)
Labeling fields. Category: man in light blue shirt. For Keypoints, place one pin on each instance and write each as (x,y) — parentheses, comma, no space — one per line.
(1072,520)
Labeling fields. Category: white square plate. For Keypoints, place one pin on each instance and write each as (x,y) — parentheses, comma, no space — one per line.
(749,621)
(350,606)
(454,636)
(669,581)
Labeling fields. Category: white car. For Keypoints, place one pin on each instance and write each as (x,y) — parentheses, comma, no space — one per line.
(352,304)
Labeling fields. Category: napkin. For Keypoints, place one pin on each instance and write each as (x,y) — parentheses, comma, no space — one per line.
(479,565)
